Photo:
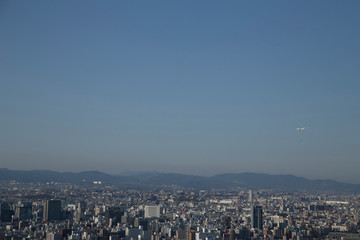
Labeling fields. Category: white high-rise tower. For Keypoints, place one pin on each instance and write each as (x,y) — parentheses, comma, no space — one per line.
(251,197)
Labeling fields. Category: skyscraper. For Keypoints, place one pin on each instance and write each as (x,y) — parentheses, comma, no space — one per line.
(24,211)
(115,214)
(251,197)
(256,217)
(52,210)
(80,210)
(5,213)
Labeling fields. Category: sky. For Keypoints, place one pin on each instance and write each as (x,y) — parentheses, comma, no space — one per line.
(194,87)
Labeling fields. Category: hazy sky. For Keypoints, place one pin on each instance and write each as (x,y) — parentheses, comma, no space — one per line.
(198,87)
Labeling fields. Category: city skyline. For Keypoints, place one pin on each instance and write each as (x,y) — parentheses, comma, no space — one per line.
(196,88)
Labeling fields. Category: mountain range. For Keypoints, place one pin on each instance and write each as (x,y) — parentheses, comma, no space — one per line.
(150,180)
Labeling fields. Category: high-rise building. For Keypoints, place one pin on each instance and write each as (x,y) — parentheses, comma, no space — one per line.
(250,196)
(52,210)
(152,211)
(192,234)
(114,214)
(183,232)
(53,236)
(80,210)
(244,233)
(24,211)
(256,217)
(144,223)
(5,213)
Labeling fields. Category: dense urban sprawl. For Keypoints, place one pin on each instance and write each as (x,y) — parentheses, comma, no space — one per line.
(61,211)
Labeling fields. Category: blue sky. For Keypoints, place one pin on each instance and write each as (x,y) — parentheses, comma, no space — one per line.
(199,87)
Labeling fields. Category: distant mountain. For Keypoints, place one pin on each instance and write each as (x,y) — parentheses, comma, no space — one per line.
(43,176)
(133,173)
(165,180)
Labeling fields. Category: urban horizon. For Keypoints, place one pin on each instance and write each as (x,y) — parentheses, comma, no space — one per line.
(138,172)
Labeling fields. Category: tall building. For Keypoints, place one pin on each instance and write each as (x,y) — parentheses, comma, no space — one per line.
(52,210)
(152,211)
(114,214)
(53,236)
(144,223)
(80,210)
(24,211)
(5,213)
(256,217)
(183,232)
(250,196)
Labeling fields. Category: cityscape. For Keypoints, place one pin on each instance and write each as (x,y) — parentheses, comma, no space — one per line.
(179,120)
(57,211)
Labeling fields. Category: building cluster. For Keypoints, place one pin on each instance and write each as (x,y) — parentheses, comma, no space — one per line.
(60,211)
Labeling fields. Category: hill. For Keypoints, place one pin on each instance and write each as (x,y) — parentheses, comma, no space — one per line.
(166,180)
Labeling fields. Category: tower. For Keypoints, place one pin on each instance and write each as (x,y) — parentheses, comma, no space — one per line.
(251,197)
(80,210)
(24,211)
(5,213)
(256,217)
(52,210)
